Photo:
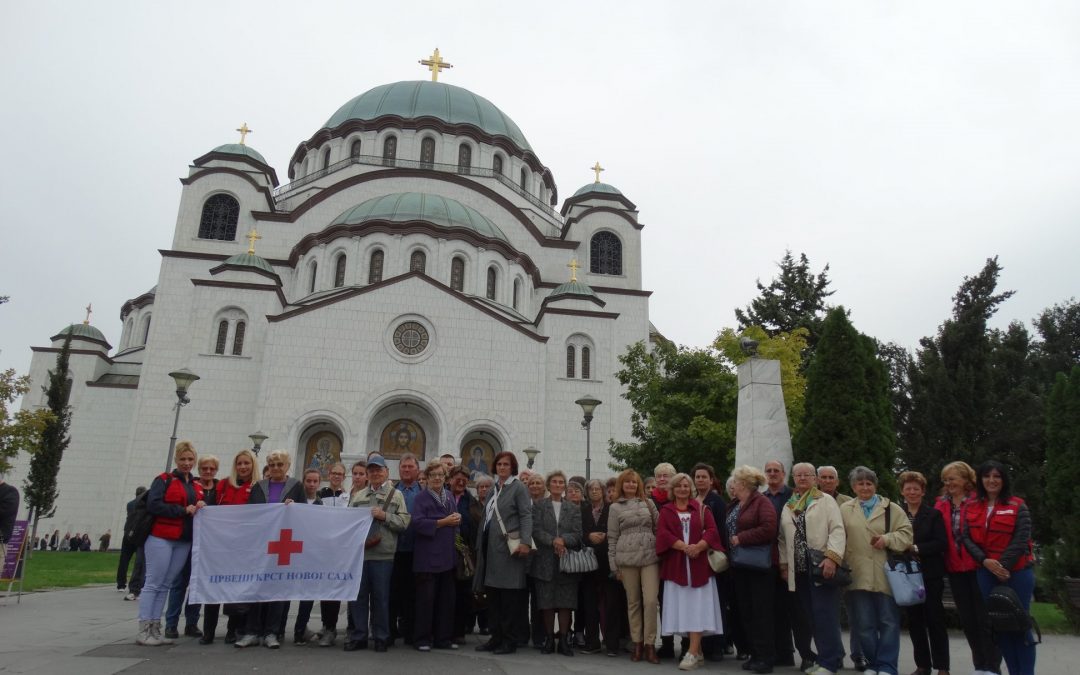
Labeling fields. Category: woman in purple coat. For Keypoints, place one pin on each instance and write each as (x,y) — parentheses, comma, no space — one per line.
(435,521)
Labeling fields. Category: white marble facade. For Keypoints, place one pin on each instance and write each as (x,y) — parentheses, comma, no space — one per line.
(324,357)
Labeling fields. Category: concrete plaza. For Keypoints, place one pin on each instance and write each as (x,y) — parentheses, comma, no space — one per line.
(91,630)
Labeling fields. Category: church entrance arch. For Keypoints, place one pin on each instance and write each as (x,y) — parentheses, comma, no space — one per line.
(477,453)
(320,448)
(404,427)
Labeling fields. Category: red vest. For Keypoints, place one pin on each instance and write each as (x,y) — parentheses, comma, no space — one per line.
(166,527)
(227,494)
(957,558)
(993,534)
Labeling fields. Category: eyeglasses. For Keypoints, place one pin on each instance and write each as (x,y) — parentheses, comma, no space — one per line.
(773,471)
(275,464)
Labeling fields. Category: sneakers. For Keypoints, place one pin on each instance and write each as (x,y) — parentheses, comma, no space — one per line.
(691,662)
(303,638)
(327,638)
(271,642)
(155,627)
(146,635)
(247,641)
(131,596)
(820,670)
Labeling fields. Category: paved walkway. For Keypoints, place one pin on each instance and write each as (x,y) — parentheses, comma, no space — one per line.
(91,630)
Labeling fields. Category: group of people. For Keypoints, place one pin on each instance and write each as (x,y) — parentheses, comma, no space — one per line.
(71,542)
(590,566)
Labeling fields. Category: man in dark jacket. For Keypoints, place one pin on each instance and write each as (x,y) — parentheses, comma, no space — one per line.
(128,548)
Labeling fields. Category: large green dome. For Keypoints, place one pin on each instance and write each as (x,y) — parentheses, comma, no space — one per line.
(422,98)
(403,207)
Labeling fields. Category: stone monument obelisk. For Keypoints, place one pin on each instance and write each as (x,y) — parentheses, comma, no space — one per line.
(761,431)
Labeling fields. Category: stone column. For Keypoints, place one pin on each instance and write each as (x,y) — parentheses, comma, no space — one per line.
(762,431)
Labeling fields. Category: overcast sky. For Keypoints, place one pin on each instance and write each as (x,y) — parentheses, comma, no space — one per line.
(903,143)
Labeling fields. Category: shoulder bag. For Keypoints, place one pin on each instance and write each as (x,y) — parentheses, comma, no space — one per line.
(841,578)
(718,560)
(373,540)
(579,561)
(513,539)
(903,572)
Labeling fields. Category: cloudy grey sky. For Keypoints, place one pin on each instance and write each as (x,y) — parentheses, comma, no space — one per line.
(901,142)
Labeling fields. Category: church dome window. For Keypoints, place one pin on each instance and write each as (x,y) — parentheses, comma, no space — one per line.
(523,179)
(492,280)
(517,293)
(389,150)
(464,158)
(326,159)
(457,273)
(605,254)
(497,164)
(427,152)
(375,267)
(339,271)
(417,262)
(220,214)
(354,149)
(314,276)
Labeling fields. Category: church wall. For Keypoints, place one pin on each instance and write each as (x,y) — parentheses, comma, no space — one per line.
(189,214)
(630,237)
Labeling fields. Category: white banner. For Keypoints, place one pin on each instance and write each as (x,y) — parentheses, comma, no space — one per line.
(263,552)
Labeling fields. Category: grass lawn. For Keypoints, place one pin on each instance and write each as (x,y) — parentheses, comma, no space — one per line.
(1050,617)
(64,569)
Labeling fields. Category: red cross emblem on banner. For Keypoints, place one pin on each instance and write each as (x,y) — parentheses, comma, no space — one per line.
(284,547)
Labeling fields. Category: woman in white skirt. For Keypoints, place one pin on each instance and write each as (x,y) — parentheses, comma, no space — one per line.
(685,532)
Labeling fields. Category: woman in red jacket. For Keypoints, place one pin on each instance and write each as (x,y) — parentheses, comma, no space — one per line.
(236,489)
(751,521)
(173,499)
(685,532)
(959,481)
(997,534)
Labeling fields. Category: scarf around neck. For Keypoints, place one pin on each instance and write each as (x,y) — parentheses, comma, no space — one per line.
(799,503)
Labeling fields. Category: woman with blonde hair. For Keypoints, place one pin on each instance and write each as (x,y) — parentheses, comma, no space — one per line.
(173,500)
(631,538)
(751,522)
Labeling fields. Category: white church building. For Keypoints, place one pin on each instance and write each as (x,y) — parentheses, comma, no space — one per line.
(413,287)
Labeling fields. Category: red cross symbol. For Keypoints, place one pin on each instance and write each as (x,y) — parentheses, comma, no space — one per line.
(284,547)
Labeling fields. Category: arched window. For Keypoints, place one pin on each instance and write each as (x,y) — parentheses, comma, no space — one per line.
(492,277)
(457,273)
(339,271)
(427,152)
(496,164)
(354,150)
(326,159)
(222,336)
(464,158)
(517,293)
(605,254)
(146,329)
(524,180)
(238,339)
(219,216)
(389,150)
(314,276)
(570,369)
(586,355)
(417,262)
(374,274)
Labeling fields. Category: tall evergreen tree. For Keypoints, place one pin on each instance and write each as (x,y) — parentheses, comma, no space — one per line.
(1062,476)
(1059,350)
(795,298)
(39,489)
(848,418)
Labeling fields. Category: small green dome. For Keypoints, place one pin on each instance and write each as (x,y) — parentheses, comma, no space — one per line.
(83,330)
(246,259)
(238,149)
(597,187)
(421,98)
(403,207)
(573,288)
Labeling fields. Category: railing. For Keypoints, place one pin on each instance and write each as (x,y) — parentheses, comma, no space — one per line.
(285,191)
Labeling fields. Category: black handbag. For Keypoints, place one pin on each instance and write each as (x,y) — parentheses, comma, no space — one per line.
(752,557)
(841,578)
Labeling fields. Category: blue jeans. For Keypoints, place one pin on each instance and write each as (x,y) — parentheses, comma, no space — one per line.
(876,619)
(374,586)
(165,560)
(1017,650)
(822,605)
(176,601)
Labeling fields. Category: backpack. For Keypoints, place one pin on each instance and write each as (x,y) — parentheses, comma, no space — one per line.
(1007,613)
(140,522)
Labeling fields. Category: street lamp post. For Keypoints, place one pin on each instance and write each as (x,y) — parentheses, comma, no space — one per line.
(588,405)
(257,439)
(531,453)
(184,379)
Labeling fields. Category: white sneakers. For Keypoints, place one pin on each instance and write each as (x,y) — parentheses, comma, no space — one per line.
(146,635)
(247,641)
(691,662)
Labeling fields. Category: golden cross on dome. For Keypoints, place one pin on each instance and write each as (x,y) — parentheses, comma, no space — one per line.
(597,168)
(89,311)
(574,265)
(251,237)
(435,64)
(244,131)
